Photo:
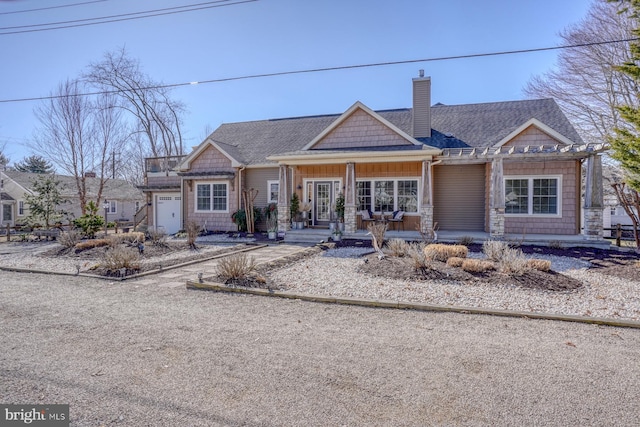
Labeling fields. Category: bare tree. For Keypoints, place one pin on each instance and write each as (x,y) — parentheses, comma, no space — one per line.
(586,83)
(155,114)
(78,134)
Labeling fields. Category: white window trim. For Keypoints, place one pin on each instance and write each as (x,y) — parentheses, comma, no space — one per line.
(210,183)
(21,207)
(269,183)
(113,207)
(395,190)
(530,178)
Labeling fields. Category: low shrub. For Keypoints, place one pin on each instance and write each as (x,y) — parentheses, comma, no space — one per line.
(119,257)
(441,252)
(397,247)
(477,265)
(133,237)
(415,257)
(193,229)
(377,231)
(70,238)
(157,237)
(455,261)
(465,240)
(495,249)
(513,262)
(93,243)
(539,264)
(235,267)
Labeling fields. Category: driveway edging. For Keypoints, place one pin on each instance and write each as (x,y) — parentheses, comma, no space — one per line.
(220,287)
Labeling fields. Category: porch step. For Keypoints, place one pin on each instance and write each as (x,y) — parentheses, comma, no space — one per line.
(307,235)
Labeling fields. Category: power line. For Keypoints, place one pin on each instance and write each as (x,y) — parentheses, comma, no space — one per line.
(51,7)
(118,18)
(336,68)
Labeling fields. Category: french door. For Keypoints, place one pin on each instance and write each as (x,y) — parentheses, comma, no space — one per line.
(323,192)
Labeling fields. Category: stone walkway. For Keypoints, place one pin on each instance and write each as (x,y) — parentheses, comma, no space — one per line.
(177,277)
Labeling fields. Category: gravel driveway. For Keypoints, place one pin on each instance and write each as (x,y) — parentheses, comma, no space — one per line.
(130,354)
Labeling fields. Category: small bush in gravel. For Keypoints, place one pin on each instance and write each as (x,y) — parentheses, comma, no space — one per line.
(157,237)
(193,229)
(398,247)
(477,265)
(133,237)
(70,238)
(495,249)
(93,243)
(441,252)
(539,264)
(377,231)
(415,257)
(454,261)
(119,257)
(513,262)
(465,241)
(237,266)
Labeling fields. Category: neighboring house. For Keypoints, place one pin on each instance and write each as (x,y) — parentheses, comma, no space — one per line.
(123,199)
(501,168)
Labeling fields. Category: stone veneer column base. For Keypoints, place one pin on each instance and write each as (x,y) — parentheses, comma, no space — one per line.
(426,219)
(593,226)
(283,218)
(496,223)
(350,219)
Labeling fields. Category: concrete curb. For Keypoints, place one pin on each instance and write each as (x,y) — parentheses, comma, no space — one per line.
(219,287)
(134,276)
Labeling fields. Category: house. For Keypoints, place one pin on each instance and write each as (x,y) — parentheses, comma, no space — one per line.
(499,168)
(123,199)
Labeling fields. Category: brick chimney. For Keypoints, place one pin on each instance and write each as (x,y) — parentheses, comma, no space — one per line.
(422,106)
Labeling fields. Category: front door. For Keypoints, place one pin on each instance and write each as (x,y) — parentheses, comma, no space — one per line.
(323,191)
(7,214)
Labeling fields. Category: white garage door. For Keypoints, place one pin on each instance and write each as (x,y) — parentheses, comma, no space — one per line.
(168,212)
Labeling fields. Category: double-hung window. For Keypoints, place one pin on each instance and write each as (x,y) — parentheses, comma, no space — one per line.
(533,195)
(20,207)
(388,195)
(211,197)
(273,188)
(113,206)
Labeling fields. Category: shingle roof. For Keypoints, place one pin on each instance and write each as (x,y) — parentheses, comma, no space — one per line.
(453,126)
(113,189)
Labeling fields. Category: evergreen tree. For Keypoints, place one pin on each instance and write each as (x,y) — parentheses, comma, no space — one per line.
(34,164)
(44,203)
(625,144)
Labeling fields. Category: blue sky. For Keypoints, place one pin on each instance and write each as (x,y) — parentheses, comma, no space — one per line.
(267,36)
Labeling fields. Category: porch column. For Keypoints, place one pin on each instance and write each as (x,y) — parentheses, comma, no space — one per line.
(284,221)
(426,206)
(496,199)
(350,199)
(593,199)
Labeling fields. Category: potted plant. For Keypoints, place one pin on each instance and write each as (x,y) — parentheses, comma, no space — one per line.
(294,207)
(336,235)
(305,208)
(340,211)
(271,215)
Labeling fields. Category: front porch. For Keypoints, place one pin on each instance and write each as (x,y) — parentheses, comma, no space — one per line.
(317,235)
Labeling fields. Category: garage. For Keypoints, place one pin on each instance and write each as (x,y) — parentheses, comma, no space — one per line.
(459,197)
(168,212)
